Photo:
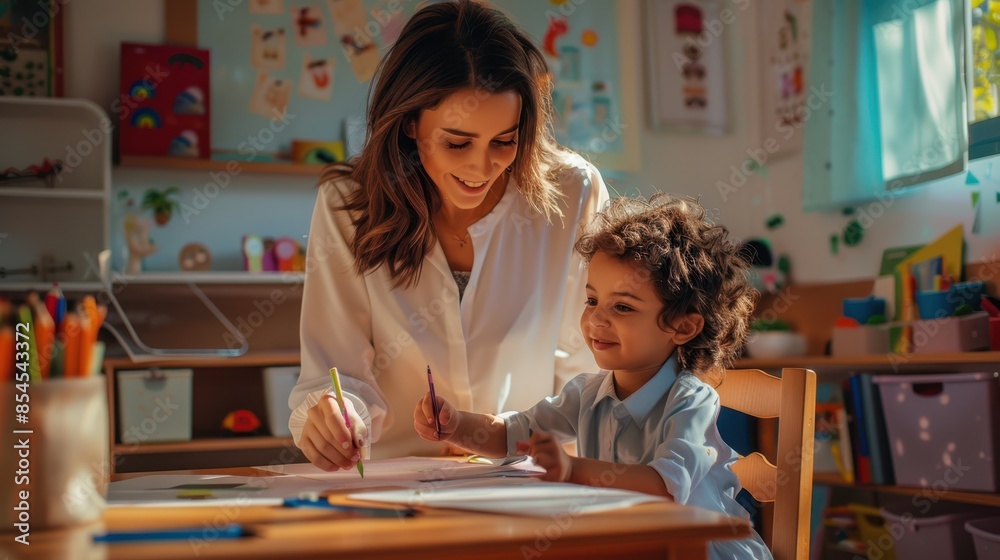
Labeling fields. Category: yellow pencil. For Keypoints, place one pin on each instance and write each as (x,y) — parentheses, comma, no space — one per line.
(340,401)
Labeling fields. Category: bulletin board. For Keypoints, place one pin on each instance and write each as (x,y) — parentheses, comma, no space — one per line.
(300,69)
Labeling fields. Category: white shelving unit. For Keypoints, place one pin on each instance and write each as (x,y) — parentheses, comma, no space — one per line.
(210,277)
(68,222)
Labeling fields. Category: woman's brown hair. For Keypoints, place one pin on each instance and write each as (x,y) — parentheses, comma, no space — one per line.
(444,48)
(694,268)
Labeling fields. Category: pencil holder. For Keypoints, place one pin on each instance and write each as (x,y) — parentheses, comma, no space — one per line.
(56,464)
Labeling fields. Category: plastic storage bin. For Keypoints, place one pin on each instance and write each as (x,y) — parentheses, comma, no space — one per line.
(860,341)
(952,334)
(942,429)
(278,384)
(154,405)
(986,536)
(879,544)
(927,530)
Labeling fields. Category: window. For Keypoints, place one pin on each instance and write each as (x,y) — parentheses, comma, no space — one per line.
(984,109)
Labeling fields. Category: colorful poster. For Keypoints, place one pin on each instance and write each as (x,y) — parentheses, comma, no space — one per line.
(785,38)
(687,59)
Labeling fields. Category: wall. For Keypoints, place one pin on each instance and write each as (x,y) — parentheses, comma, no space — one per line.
(694,164)
(676,162)
(267,205)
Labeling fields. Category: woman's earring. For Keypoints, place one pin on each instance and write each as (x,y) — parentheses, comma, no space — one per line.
(510,168)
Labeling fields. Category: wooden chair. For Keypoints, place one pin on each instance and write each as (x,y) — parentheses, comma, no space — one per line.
(792,399)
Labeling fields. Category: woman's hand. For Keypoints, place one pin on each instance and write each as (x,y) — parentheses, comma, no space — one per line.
(326,441)
(423,419)
(548,454)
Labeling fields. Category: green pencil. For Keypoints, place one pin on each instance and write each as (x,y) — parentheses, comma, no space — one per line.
(340,401)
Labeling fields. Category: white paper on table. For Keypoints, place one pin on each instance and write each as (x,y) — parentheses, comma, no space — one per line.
(410,471)
(163,490)
(543,499)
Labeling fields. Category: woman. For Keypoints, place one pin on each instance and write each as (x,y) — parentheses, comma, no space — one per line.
(447,243)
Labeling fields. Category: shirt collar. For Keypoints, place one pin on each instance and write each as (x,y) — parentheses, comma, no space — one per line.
(640,404)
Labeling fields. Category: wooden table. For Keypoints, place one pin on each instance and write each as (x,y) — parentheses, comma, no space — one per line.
(662,530)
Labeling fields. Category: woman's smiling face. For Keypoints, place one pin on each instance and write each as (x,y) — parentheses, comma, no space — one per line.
(467,142)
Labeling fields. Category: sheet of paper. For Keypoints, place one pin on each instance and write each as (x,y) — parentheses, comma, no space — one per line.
(407,470)
(208,490)
(543,499)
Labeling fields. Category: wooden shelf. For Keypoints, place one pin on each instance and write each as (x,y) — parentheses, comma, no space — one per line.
(45,192)
(251,359)
(195,164)
(210,277)
(87,287)
(205,444)
(886,361)
(981,498)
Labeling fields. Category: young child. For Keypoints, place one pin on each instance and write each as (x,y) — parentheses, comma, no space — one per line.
(668,308)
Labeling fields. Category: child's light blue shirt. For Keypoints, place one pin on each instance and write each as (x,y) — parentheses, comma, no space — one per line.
(668,424)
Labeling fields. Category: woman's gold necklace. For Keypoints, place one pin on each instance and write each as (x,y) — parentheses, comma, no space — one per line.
(464,240)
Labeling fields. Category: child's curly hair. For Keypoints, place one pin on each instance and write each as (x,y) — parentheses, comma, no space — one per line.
(693,265)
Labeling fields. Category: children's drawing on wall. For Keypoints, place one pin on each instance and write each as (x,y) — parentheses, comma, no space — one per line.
(274,7)
(359,46)
(688,63)
(785,36)
(316,79)
(270,96)
(307,21)
(267,49)
(601,102)
(569,64)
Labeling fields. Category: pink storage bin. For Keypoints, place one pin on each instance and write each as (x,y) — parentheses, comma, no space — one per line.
(986,536)
(925,530)
(943,429)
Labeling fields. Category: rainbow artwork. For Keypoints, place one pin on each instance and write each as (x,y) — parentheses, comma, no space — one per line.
(144,117)
(141,89)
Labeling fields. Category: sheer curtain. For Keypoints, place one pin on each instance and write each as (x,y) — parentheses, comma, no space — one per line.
(897,117)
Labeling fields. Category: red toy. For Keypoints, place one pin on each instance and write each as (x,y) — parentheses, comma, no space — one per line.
(241,423)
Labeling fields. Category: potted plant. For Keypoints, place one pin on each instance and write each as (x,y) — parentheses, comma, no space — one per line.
(161,203)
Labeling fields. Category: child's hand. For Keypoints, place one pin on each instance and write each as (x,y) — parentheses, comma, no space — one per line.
(548,454)
(423,419)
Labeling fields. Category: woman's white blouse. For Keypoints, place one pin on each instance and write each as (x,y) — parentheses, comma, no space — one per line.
(512,340)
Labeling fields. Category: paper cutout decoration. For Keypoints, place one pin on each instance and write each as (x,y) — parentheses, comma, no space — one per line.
(190,102)
(557,28)
(970,179)
(853,233)
(775,221)
(976,212)
(270,96)
(275,7)
(316,80)
(267,48)
(307,22)
(589,38)
(171,115)
(359,47)
(392,29)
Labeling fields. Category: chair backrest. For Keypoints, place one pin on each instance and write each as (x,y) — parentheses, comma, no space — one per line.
(792,399)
